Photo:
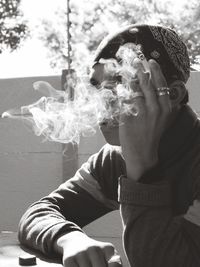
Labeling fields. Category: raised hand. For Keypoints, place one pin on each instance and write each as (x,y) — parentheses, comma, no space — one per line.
(140,133)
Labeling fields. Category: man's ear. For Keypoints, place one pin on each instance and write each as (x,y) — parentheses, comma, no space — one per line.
(177,92)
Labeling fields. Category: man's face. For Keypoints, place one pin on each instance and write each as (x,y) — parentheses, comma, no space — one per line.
(97,77)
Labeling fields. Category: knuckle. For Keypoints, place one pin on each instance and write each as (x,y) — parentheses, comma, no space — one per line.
(93,249)
(81,254)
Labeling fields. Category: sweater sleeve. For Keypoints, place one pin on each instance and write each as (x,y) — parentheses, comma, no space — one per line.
(76,203)
(153,236)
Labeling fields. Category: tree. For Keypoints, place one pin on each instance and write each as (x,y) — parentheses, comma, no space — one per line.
(91,22)
(12,29)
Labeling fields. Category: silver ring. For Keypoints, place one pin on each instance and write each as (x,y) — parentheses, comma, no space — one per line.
(160,91)
(137,94)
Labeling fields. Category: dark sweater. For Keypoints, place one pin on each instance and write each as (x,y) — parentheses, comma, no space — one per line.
(160,212)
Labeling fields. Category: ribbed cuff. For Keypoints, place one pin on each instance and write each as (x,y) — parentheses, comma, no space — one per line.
(135,193)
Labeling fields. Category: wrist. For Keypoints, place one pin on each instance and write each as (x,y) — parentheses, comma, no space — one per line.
(137,170)
(65,240)
(134,173)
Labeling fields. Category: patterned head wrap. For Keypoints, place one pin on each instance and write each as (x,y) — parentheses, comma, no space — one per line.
(154,42)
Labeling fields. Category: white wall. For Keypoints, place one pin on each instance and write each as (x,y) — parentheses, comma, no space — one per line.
(29,168)
(193,87)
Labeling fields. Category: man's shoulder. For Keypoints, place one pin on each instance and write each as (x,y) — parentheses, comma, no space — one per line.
(108,158)
(109,152)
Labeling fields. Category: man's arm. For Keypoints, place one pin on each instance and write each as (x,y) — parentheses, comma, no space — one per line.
(153,236)
(79,201)
(66,209)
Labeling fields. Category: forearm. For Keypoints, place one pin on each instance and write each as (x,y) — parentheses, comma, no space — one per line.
(76,203)
(66,209)
(151,232)
(41,225)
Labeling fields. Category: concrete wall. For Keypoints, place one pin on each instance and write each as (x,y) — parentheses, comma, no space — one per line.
(193,87)
(31,168)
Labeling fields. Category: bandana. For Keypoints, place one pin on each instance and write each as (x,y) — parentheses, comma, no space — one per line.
(154,42)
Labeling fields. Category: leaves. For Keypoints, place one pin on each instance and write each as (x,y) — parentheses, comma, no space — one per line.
(12,29)
(92,20)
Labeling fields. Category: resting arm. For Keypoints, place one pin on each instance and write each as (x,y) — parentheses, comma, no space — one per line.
(74,204)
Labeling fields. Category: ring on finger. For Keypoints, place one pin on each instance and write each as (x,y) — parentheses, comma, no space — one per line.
(137,94)
(160,91)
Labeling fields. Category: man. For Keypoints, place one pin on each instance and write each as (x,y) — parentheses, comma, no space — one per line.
(151,173)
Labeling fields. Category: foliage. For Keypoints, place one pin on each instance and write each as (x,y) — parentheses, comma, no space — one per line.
(12,29)
(93,20)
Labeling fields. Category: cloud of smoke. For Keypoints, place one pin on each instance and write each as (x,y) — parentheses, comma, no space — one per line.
(61,119)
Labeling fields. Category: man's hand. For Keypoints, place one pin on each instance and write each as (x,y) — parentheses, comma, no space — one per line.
(140,134)
(79,250)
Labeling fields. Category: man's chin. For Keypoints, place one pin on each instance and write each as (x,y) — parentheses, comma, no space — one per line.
(113,142)
(111,135)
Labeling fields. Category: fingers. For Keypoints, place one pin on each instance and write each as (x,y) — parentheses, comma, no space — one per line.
(115,261)
(146,85)
(137,63)
(157,76)
(109,251)
(159,81)
(70,262)
(112,257)
(83,260)
(137,99)
(93,258)
(150,83)
(96,256)
(114,264)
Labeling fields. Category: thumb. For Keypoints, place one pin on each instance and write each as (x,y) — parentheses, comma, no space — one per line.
(115,261)
(112,256)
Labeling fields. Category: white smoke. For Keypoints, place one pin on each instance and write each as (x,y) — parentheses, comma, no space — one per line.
(62,119)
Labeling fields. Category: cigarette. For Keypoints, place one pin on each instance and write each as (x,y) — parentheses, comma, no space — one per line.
(7,116)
